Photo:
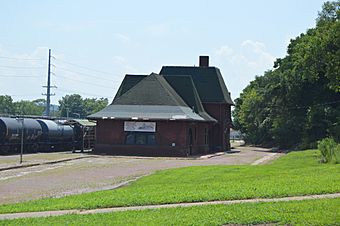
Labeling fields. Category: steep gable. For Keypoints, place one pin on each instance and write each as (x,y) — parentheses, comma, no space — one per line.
(152,90)
(128,82)
(208,82)
(185,87)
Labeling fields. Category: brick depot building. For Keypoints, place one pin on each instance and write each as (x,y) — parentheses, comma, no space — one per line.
(179,112)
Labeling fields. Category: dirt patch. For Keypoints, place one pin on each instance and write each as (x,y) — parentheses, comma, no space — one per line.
(98,173)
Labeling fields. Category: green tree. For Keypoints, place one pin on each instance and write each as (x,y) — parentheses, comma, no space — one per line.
(93,105)
(72,106)
(26,107)
(40,102)
(77,107)
(297,103)
(6,105)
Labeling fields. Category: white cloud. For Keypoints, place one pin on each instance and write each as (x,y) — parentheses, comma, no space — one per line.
(23,78)
(124,67)
(23,74)
(122,38)
(240,66)
(251,53)
(256,56)
(257,46)
(224,51)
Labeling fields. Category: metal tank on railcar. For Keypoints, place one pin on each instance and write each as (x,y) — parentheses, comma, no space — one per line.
(11,131)
(56,137)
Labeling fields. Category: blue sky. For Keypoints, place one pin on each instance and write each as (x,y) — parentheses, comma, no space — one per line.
(242,38)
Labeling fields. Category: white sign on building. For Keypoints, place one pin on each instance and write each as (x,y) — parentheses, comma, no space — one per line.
(139,126)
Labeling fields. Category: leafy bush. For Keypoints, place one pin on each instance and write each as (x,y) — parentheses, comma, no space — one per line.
(330,150)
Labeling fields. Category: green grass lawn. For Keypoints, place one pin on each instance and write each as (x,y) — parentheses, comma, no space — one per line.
(298,173)
(308,212)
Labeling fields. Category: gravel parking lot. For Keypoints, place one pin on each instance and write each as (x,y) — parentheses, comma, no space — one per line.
(90,173)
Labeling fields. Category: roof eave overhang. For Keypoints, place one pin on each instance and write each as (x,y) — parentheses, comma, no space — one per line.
(148,119)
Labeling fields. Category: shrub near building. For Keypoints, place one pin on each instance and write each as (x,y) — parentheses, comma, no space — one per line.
(330,150)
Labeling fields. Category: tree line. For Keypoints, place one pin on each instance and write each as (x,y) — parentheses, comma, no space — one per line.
(298,102)
(69,106)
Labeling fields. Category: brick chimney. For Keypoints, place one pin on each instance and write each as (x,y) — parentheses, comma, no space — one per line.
(204,61)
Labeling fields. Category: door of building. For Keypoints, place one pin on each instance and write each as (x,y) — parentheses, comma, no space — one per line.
(190,141)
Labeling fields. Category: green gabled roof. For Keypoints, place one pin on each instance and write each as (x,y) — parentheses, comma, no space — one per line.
(128,82)
(147,112)
(185,87)
(154,98)
(151,90)
(208,81)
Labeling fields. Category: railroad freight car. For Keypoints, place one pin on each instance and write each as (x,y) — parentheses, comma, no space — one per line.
(55,136)
(39,135)
(11,130)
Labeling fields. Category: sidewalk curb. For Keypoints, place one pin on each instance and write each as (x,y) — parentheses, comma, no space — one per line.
(45,163)
(194,157)
(117,156)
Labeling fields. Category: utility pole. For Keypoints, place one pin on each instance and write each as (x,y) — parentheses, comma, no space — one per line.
(48,93)
(48,96)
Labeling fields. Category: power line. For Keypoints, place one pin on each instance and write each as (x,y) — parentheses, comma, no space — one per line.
(14,58)
(90,94)
(20,76)
(22,95)
(62,68)
(85,74)
(16,67)
(84,67)
(89,83)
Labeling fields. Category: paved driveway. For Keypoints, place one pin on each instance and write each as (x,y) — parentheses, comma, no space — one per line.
(93,173)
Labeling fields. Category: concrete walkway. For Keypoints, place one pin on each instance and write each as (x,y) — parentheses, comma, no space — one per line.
(269,157)
(119,209)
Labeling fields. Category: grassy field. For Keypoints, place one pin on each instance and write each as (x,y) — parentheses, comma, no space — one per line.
(311,212)
(298,173)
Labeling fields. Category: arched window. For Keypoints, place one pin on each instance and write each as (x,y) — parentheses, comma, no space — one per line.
(130,138)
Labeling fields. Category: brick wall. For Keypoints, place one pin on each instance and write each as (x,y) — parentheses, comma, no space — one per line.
(111,139)
(221,131)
